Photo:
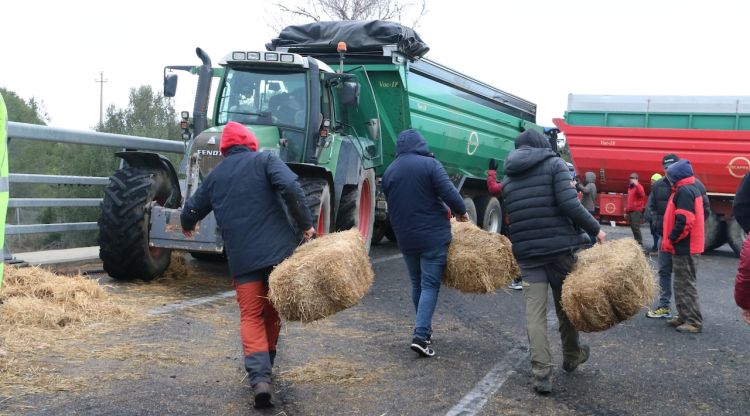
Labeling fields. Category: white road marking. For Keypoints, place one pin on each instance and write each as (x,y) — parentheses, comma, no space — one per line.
(190,303)
(475,400)
(386,259)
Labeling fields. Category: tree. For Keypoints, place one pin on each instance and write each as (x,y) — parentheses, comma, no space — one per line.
(29,111)
(405,12)
(148,114)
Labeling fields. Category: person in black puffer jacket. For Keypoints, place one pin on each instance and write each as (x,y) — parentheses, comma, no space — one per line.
(547,224)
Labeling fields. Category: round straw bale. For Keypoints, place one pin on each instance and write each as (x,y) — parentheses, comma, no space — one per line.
(322,277)
(609,284)
(478,261)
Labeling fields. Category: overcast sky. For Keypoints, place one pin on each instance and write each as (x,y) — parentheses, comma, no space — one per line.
(538,50)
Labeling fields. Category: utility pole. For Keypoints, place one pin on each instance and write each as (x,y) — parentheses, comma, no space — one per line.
(101,82)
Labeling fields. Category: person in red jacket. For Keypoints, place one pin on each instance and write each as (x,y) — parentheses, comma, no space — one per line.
(741,211)
(496,188)
(683,238)
(635,205)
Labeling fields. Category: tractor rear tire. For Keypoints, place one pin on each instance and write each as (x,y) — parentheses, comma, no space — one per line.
(715,233)
(471,209)
(124,223)
(735,236)
(318,195)
(357,207)
(489,213)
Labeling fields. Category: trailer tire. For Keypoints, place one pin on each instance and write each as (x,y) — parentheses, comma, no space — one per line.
(735,236)
(318,195)
(489,213)
(471,209)
(389,233)
(124,224)
(715,232)
(378,232)
(357,207)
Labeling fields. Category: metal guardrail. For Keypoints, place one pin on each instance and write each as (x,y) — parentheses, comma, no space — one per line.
(35,132)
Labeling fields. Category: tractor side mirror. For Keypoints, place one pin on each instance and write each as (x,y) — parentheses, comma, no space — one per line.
(170,85)
(349,94)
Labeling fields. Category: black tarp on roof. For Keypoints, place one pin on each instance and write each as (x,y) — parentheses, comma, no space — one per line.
(360,36)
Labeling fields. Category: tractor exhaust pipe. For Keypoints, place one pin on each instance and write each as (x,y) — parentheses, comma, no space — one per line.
(203,91)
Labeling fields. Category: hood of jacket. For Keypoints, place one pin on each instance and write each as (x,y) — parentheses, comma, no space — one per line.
(679,171)
(531,148)
(235,134)
(411,141)
(590,177)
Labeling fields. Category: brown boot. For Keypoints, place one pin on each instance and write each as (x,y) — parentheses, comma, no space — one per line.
(262,392)
(689,328)
(675,322)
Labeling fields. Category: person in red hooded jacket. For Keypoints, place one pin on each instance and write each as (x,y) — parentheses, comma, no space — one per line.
(741,211)
(247,192)
(634,208)
(683,238)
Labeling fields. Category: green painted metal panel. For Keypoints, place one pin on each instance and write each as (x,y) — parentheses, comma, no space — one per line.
(462,130)
(701,121)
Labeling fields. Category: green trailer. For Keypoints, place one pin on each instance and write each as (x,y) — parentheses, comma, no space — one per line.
(329,99)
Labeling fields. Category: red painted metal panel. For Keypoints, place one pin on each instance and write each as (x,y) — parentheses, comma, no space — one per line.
(719,157)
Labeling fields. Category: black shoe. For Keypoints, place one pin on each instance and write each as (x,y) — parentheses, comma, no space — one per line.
(262,395)
(543,385)
(421,347)
(570,366)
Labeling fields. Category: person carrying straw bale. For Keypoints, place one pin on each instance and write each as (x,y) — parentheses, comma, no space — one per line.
(245,191)
(741,211)
(683,239)
(661,190)
(417,188)
(547,225)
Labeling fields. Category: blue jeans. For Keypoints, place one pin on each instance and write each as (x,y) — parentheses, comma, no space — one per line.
(665,279)
(426,273)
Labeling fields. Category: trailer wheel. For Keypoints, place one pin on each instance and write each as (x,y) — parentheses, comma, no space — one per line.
(124,224)
(318,195)
(715,232)
(735,236)
(378,232)
(489,213)
(471,209)
(357,207)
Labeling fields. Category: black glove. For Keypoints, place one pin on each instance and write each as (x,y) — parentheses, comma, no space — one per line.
(493,164)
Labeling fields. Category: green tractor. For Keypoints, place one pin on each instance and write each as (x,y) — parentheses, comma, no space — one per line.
(298,107)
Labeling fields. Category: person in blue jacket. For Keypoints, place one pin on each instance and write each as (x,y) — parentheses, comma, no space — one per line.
(248,191)
(417,190)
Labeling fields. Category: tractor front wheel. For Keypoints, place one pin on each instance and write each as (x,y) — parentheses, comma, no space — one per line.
(124,223)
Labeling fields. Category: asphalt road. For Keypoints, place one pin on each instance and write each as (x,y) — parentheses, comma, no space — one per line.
(364,366)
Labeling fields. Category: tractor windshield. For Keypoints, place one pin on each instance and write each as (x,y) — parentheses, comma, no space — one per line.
(253,96)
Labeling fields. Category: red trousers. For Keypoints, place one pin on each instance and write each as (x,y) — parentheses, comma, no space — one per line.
(259,329)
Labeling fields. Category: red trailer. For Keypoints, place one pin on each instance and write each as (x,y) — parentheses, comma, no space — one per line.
(614,143)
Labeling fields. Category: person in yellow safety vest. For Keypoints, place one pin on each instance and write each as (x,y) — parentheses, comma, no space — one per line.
(4,187)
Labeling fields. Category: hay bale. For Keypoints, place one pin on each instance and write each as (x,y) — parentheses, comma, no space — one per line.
(33,297)
(478,261)
(322,277)
(609,284)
